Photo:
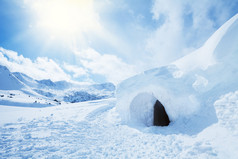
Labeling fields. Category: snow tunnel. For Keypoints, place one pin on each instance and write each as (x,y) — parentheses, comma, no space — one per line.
(147,110)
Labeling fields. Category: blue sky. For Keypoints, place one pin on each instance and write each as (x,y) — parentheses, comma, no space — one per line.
(106,40)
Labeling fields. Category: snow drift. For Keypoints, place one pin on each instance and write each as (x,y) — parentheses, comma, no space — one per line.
(189,86)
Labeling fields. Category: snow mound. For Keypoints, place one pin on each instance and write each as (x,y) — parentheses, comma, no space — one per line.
(188,87)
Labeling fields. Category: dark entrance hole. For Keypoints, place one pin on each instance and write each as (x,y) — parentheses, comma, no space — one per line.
(160,116)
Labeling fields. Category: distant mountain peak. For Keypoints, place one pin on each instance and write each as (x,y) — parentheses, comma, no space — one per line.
(47,82)
(8,80)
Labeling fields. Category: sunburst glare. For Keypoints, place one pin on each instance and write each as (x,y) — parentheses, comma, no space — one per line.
(65,17)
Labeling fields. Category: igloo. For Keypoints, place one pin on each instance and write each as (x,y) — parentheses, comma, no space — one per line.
(137,96)
(147,110)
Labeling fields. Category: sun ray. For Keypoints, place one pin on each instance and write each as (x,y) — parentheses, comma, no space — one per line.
(66,17)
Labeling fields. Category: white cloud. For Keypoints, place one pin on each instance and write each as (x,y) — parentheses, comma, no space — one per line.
(77,71)
(41,68)
(112,67)
(93,63)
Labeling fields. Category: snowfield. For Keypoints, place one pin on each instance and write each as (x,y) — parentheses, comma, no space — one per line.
(199,93)
(94,130)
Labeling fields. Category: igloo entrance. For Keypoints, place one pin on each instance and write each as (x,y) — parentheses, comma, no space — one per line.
(161,118)
(147,110)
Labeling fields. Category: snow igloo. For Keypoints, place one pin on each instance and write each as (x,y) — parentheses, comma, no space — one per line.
(148,110)
(156,97)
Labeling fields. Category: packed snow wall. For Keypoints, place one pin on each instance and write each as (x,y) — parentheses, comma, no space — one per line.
(141,108)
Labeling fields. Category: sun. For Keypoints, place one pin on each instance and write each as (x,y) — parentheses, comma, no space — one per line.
(65,17)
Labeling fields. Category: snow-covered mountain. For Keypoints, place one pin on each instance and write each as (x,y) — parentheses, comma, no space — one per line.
(81,96)
(49,91)
(25,79)
(47,83)
(8,80)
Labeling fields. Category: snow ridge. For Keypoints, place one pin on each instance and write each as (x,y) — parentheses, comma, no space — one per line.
(204,56)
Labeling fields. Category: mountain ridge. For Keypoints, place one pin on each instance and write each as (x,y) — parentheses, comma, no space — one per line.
(51,91)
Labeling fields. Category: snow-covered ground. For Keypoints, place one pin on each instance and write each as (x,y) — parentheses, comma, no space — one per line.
(94,130)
